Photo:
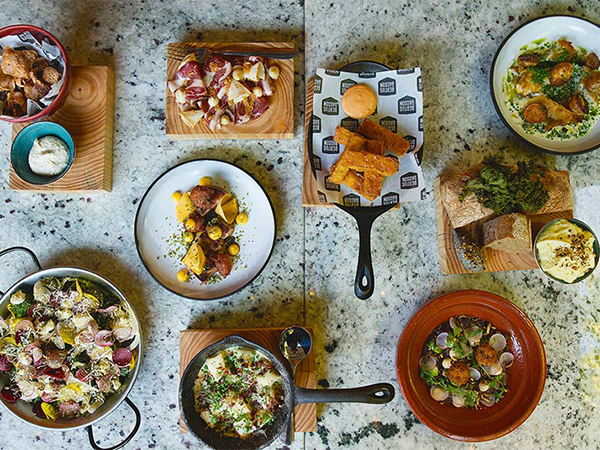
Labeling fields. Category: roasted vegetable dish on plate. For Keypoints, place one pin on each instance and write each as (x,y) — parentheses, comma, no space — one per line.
(238,392)
(554,89)
(209,215)
(465,361)
(65,346)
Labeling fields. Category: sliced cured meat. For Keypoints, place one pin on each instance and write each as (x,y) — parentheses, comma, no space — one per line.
(215,122)
(223,264)
(195,91)
(265,85)
(241,113)
(206,198)
(189,71)
(261,104)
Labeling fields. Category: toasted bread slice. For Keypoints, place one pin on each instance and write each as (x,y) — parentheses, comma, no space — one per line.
(391,141)
(510,233)
(558,185)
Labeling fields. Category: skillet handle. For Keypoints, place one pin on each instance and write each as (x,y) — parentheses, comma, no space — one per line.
(33,256)
(138,421)
(378,394)
(364,284)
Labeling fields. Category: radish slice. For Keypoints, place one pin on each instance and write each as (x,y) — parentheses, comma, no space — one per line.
(122,357)
(122,333)
(5,364)
(68,410)
(104,338)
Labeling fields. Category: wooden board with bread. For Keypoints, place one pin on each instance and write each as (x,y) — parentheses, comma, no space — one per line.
(489,215)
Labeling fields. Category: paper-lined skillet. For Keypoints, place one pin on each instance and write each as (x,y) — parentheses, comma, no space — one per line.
(22,410)
(380,393)
(364,283)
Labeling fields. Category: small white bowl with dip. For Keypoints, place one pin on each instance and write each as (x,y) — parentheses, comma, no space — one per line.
(566,250)
(42,153)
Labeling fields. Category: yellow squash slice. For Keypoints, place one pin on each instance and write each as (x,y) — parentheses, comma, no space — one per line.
(194,259)
(184,207)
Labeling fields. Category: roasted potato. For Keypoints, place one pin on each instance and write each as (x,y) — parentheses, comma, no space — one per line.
(529,60)
(578,105)
(561,73)
(592,61)
(535,113)
(566,52)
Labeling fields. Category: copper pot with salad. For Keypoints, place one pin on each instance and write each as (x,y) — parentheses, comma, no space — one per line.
(70,349)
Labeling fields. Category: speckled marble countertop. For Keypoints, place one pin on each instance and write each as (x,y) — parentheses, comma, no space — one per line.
(311,272)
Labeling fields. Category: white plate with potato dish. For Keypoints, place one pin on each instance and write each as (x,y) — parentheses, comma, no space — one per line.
(545,83)
(205,229)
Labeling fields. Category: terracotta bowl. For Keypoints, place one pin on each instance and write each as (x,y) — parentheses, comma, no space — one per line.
(40,34)
(525,378)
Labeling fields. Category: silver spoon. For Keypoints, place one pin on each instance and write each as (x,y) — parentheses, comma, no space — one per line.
(295,344)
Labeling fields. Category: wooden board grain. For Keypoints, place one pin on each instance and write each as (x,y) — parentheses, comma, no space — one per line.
(495,261)
(276,123)
(193,341)
(87,114)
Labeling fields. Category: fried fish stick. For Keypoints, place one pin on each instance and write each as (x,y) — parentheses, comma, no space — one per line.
(362,161)
(373,182)
(391,141)
(355,181)
(338,171)
(342,136)
(375,147)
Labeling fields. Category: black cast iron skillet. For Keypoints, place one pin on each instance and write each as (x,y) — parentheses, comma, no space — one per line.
(377,393)
(364,283)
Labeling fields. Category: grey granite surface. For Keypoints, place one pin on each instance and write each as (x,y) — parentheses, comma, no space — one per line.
(312,270)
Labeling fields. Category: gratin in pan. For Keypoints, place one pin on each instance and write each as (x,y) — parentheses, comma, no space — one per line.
(21,409)
(380,393)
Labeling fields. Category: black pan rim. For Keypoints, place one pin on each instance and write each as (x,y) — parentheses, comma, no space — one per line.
(492,92)
(137,243)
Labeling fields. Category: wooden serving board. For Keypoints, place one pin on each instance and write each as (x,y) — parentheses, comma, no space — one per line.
(276,123)
(495,260)
(193,341)
(88,115)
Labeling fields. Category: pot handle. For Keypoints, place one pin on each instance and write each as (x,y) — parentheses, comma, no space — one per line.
(364,283)
(138,421)
(33,256)
(379,394)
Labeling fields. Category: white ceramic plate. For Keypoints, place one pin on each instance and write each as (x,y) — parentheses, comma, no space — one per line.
(155,225)
(581,33)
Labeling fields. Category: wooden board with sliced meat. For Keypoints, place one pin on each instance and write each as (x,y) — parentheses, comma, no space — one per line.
(277,122)
(495,260)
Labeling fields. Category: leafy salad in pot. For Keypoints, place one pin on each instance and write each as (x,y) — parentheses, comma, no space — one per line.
(554,89)
(465,362)
(66,346)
